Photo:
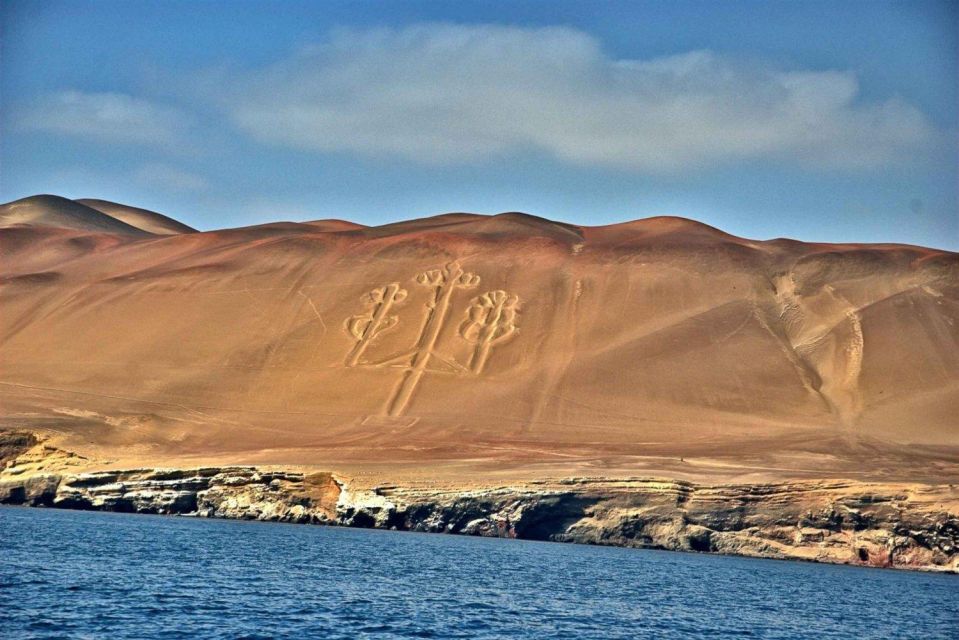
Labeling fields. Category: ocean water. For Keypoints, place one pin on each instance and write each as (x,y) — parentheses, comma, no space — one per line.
(70,574)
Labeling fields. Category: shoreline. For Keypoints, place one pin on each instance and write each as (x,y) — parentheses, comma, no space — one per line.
(901,526)
(196,517)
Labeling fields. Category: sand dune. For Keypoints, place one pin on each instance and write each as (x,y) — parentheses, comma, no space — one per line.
(140,218)
(57,212)
(498,344)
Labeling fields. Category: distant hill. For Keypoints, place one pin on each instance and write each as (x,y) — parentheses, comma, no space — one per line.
(96,216)
(141,218)
(54,211)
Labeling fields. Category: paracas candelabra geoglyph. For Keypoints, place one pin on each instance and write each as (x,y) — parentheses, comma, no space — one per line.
(490,320)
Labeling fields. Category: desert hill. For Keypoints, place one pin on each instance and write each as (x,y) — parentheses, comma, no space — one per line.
(144,219)
(61,213)
(473,344)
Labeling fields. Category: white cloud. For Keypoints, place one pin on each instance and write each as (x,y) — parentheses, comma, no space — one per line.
(113,118)
(169,178)
(445,93)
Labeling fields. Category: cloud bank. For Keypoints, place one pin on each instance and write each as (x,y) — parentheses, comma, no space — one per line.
(445,93)
(113,118)
(440,94)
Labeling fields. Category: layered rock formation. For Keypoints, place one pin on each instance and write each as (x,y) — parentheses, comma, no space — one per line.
(904,526)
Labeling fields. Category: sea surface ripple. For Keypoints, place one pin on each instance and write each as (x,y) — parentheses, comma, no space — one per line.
(70,574)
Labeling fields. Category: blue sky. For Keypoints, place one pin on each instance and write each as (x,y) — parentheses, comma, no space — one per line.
(766,119)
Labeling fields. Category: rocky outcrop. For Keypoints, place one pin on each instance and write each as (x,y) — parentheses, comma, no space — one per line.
(902,526)
(905,526)
(242,493)
(889,525)
(14,443)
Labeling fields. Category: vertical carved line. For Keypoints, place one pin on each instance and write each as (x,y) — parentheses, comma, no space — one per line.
(365,327)
(445,284)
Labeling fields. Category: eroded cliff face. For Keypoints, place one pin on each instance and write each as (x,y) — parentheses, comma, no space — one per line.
(907,526)
(903,526)
(228,492)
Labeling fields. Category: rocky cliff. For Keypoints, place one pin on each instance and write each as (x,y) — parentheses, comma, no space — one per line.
(902,526)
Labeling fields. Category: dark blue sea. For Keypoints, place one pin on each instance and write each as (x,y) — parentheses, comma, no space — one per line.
(67,574)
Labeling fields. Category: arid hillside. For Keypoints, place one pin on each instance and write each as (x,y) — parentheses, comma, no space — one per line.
(463,345)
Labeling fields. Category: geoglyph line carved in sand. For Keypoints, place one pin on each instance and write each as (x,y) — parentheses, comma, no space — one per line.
(365,327)
(443,282)
(490,320)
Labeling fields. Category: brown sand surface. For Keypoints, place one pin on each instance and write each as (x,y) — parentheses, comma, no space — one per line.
(467,348)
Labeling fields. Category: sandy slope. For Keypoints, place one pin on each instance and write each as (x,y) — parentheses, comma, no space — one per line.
(656,346)
(145,219)
(57,212)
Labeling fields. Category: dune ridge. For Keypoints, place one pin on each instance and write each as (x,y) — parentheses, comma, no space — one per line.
(144,219)
(61,213)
